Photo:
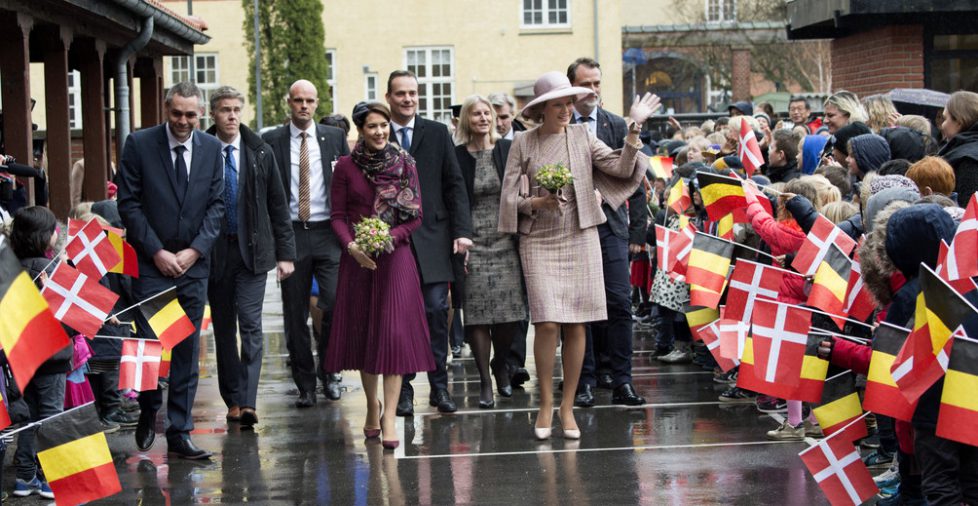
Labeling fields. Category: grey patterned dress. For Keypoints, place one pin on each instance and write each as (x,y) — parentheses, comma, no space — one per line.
(493,287)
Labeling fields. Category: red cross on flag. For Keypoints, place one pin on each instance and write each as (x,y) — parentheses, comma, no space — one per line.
(749,150)
(962,262)
(816,245)
(663,254)
(749,281)
(77,300)
(963,285)
(780,334)
(710,334)
(92,252)
(835,464)
(139,368)
(681,245)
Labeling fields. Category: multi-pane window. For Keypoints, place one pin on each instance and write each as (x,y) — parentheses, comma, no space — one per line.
(370,87)
(206,75)
(331,78)
(74,99)
(436,81)
(721,10)
(546,13)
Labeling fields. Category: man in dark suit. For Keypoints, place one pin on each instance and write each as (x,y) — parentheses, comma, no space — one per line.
(446,225)
(170,186)
(622,234)
(256,236)
(305,153)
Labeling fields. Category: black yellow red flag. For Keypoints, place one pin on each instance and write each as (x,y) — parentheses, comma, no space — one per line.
(75,457)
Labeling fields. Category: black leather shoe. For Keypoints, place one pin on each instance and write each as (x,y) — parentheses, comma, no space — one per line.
(184,448)
(443,400)
(145,431)
(605,381)
(500,372)
(519,376)
(584,397)
(332,388)
(405,405)
(625,394)
(306,400)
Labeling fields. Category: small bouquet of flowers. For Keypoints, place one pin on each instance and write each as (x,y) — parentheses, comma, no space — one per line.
(552,177)
(373,236)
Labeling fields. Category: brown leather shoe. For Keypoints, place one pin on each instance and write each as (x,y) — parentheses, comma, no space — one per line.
(248,417)
(234,414)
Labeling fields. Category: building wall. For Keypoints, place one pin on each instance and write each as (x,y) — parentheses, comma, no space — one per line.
(879,60)
(490,50)
(648,12)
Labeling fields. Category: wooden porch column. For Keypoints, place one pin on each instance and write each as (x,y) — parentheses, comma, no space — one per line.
(150,74)
(56,43)
(15,72)
(90,57)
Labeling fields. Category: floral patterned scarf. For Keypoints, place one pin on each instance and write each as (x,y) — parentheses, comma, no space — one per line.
(395,178)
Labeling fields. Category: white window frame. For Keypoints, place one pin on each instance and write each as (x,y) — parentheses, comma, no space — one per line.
(331,79)
(74,100)
(545,10)
(206,88)
(722,14)
(367,88)
(426,83)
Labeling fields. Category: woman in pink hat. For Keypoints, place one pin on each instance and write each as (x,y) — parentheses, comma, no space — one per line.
(559,245)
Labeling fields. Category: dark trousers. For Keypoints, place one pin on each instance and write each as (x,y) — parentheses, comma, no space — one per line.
(236,302)
(45,396)
(317,254)
(949,469)
(517,351)
(436,310)
(105,388)
(184,366)
(672,328)
(613,336)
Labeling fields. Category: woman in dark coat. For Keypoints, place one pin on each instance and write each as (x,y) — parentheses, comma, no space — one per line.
(960,129)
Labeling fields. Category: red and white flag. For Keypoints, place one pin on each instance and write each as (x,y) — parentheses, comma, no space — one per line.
(860,303)
(733,335)
(749,281)
(963,285)
(139,368)
(91,251)
(837,467)
(816,245)
(77,300)
(681,245)
(663,254)
(916,368)
(780,335)
(710,334)
(749,150)
(962,260)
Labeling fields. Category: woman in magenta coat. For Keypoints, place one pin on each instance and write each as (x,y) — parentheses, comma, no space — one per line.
(379,325)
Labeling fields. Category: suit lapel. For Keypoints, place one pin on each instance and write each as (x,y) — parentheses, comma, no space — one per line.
(199,177)
(327,155)
(417,134)
(167,160)
(604,131)
(283,154)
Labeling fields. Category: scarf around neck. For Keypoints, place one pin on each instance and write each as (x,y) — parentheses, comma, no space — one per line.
(395,179)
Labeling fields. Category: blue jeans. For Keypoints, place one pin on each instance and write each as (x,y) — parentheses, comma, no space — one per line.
(45,396)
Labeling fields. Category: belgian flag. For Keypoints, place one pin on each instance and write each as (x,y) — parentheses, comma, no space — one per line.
(128,264)
(959,402)
(882,393)
(679,199)
(29,333)
(721,195)
(840,405)
(699,317)
(831,282)
(811,377)
(946,308)
(75,457)
(661,166)
(709,265)
(167,319)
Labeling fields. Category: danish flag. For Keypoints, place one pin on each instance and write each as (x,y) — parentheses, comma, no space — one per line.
(837,467)
(748,281)
(92,252)
(780,336)
(816,245)
(962,262)
(749,150)
(963,285)
(681,245)
(139,368)
(77,300)
(710,334)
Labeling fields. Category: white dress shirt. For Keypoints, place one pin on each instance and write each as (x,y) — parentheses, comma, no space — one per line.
(318,194)
(591,125)
(398,127)
(236,143)
(187,154)
(510,134)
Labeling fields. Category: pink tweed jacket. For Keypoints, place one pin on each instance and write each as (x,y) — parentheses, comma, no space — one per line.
(595,166)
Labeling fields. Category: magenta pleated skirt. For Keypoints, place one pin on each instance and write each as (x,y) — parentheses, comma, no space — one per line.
(379,323)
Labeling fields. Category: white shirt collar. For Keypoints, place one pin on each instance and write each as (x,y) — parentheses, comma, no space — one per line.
(174,142)
(398,126)
(593,116)
(295,130)
(236,143)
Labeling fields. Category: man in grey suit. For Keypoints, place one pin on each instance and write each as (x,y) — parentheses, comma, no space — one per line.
(171,184)
(622,234)
(256,237)
(446,225)
(305,153)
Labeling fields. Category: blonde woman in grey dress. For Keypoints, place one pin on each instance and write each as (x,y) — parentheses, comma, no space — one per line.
(559,246)
(494,302)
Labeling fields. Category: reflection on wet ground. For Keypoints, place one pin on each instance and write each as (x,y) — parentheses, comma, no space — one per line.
(684,447)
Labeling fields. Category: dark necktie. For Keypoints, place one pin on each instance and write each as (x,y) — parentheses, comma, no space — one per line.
(180,166)
(230,191)
(305,203)
(406,139)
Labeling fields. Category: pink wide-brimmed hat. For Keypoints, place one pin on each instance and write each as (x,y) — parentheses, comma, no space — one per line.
(550,86)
